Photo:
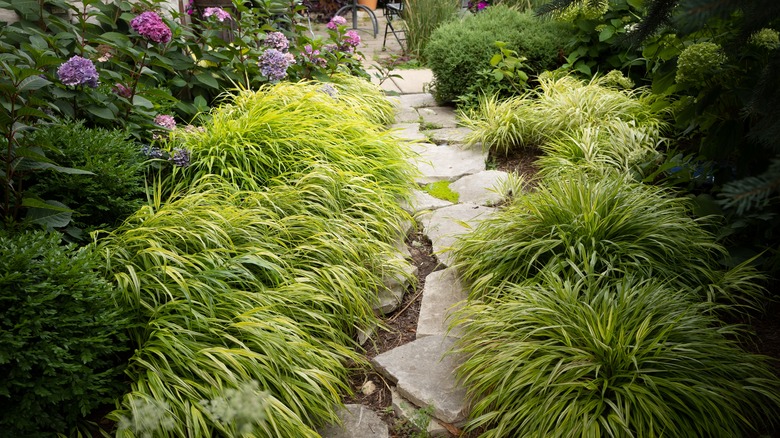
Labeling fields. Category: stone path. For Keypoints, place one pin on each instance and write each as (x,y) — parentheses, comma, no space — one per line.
(423,371)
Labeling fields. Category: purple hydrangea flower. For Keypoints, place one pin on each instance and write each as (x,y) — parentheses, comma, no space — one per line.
(166,121)
(273,64)
(277,40)
(336,21)
(180,157)
(150,26)
(482,5)
(152,151)
(78,71)
(221,14)
(330,48)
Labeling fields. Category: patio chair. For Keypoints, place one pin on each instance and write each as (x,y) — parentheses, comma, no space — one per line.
(394,12)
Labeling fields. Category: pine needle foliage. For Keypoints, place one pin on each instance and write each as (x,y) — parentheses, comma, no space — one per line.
(612,227)
(562,105)
(595,358)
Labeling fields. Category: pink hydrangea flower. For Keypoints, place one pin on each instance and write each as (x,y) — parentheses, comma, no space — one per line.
(166,121)
(150,26)
(336,21)
(352,38)
(220,14)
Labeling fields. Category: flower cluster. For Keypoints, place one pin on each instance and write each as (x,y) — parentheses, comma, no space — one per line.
(351,41)
(312,55)
(220,14)
(78,71)
(476,6)
(766,38)
(274,64)
(123,91)
(276,40)
(616,79)
(166,121)
(699,62)
(336,21)
(150,26)
(180,157)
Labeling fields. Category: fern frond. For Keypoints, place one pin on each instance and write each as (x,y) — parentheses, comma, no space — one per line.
(754,191)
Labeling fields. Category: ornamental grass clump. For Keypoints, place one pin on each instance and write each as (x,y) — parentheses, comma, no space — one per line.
(562,106)
(239,287)
(588,357)
(254,140)
(612,227)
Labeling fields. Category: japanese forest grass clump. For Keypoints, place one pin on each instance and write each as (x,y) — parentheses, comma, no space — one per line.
(561,112)
(592,357)
(285,130)
(610,226)
(261,290)
(252,273)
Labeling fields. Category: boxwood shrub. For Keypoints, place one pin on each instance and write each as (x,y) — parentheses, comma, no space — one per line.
(62,341)
(459,49)
(115,189)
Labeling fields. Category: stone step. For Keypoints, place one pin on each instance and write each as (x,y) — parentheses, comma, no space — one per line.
(443,294)
(418,100)
(408,131)
(439,116)
(418,418)
(424,374)
(446,163)
(450,136)
(357,421)
(444,225)
(480,188)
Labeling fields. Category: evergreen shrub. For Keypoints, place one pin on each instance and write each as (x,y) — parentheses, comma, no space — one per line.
(62,340)
(116,187)
(459,49)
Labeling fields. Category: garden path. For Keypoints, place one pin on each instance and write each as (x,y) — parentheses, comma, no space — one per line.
(422,372)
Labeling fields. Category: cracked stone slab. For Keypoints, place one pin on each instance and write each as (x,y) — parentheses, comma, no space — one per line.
(405,409)
(358,421)
(445,225)
(408,131)
(443,294)
(447,163)
(440,116)
(425,375)
(422,201)
(479,188)
(449,135)
(417,100)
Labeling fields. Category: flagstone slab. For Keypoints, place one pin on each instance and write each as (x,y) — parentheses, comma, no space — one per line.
(442,295)
(446,163)
(448,135)
(413,415)
(424,374)
(423,201)
(395,287)
(408,131)
(445,225)
(439,116)
(407,115)
(480,188)
(358,421)
(417,100)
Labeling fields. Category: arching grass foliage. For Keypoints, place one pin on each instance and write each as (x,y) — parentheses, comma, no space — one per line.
(596,358)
